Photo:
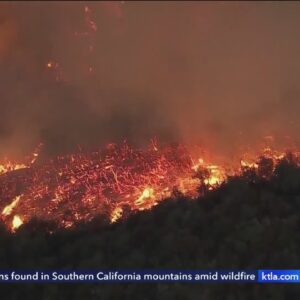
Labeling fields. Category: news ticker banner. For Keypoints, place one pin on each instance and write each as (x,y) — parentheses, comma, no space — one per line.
(105,276)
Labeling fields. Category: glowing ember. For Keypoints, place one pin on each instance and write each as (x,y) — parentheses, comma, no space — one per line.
(86,35)
(114,181)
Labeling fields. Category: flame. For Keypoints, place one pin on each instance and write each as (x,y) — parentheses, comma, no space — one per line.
(115,181)
(8,208)
(9,166)
(216,176)
(116,214)
(247,164)
(146,200)
(146,194)
(16,223)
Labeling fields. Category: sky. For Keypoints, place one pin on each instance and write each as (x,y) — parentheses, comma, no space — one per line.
(217,74)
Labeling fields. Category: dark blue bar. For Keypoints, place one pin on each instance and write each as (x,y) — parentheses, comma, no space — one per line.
(105,276)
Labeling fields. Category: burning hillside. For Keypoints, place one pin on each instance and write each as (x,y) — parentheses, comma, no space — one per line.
(114,181)
(250,221)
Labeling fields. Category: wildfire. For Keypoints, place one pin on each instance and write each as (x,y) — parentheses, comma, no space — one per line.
(114,181)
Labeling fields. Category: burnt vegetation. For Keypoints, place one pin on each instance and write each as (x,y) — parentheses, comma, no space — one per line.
(250,222)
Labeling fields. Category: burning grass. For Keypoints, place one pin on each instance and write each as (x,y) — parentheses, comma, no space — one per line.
(115,181)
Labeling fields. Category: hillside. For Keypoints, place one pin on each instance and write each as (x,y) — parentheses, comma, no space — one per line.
(247,223)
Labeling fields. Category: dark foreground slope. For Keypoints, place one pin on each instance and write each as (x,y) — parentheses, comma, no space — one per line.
(248,223)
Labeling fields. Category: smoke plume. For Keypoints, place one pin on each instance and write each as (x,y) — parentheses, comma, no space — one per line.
(220,74)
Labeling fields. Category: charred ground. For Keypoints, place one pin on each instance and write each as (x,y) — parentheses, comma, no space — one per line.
(247,223)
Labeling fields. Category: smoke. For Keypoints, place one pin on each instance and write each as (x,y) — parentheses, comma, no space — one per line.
(220,74)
